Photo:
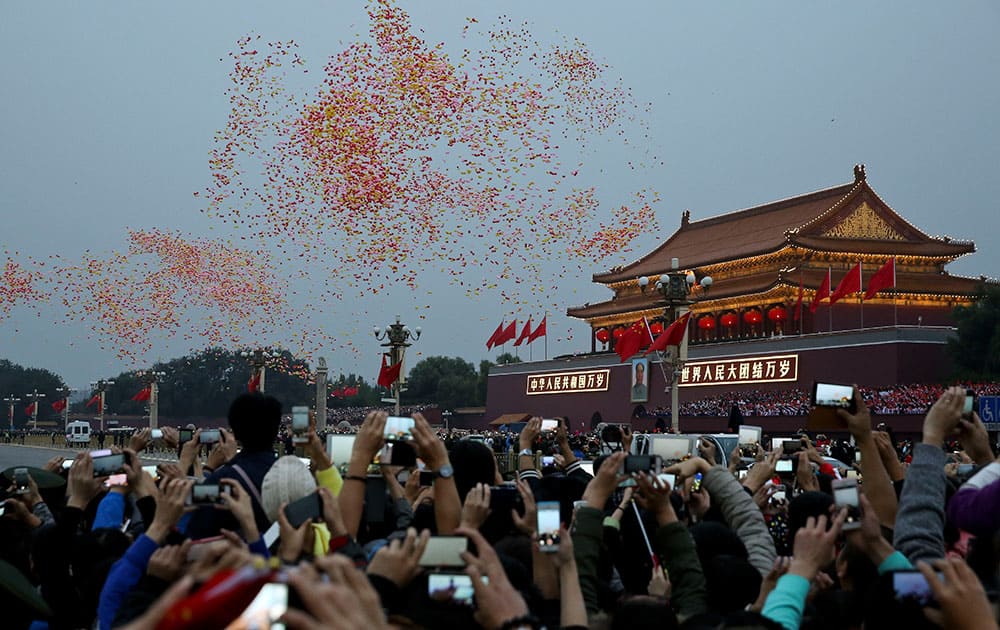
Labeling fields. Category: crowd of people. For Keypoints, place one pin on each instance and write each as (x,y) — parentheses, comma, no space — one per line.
(234,536)
(911,399)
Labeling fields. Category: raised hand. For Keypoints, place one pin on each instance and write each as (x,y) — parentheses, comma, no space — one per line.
(399,561)
(497,602)
(476,508)
(814,546)
(81,486)
(525,524)
(239,504)
(944,416)
(859,423)
(343,600)
(960,595)
(530,432)
(605,481)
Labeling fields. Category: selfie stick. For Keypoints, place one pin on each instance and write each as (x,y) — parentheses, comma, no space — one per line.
(645,536)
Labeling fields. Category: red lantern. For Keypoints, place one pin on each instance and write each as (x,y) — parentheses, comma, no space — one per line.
(602,335)
(706,323)
(619,333)
(777,314)
(752,317)
(656,328)
(728,320)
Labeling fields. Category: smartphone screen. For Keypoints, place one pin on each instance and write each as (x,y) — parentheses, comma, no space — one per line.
(265,611)
(209,436)
(185,435)
(504,498)
(109,465)
(671,448)
(970,402)
(548,525)
(550,425)
(398,428)
(444,551)
(832,395)
(116,480)
(454,587)
(305,509)
(339,448)
(642,463)
(668,479)
(548,460)
(750,434)
(783,466)
(845,494)
(152,471)
(426,478)
(912,586)
(156,434)
(205,493)
(791,446)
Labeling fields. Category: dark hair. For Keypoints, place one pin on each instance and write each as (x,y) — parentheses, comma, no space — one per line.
(473,463)
(254,419)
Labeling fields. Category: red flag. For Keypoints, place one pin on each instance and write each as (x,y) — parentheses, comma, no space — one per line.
(143,394)
(30,409)
(884,278)
(798,305)
(538,332)
(59,405)
(94,400)
(254,383)
(508,334)
(492,341)
(851,283)
(525,333)
(673,335)
(337,393)
(822,292)
(387,375)
(350,391)
(636,336)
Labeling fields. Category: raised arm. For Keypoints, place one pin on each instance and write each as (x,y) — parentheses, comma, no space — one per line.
(878,485)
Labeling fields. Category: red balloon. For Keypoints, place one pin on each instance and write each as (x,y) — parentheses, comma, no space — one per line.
(602,335)
(728,320)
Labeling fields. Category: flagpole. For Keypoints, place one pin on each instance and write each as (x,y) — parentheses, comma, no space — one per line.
(545,318)
(861,296)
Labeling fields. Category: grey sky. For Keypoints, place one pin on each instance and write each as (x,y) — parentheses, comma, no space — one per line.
(109,109)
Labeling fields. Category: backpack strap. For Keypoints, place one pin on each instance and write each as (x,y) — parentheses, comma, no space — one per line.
(249,484)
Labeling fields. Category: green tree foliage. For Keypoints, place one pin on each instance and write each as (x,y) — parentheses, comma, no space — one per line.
(506,358)
(17,380)
(449,382)
(975,350)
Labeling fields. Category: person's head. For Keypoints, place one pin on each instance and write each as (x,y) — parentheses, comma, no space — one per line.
(473,463)
(287,481)
(640,373)
(254,419)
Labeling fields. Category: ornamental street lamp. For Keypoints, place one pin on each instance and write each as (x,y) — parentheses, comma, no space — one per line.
(397,338)
(34,396)
(64,392)
(675,288)
(152,380)
(258,361)
(102,388)
(11,401)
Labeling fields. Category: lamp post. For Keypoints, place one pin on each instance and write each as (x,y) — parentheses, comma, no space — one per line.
(397,338)
(675,288)
(64,392)
(34,396)
(11,401)
(152,380)
(321,394)
(102,388)
(258,361)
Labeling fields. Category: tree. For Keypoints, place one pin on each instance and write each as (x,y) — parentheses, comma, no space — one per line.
(975,349)
(17,380)
(449,382)
(506,358)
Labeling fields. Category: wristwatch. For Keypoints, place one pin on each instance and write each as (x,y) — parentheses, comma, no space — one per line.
(445,472)
(527,451)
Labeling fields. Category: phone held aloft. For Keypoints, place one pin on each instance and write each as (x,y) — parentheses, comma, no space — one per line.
(209,436)
(207,494)
(300,424)
(548,526)
(845,494)
(22,480)
(109,465)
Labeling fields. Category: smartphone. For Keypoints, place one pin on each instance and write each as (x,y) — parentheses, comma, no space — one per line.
(672,449)
(426,478)
(266,609)
(67,464)
(547,526)
(22,480)
(444,551)
(779,494)
(965,469)
(121,479)
(912,586)
(153,471)
(833,395)
(642,463)
(845,494)
(852,474)
(209,436)
(185,435)
(156,434)
(109,465)
(100,453)
(790,447)
(339,448)
(300,424)
(398,428)
(783,466)
(207,494)
(397,453)
(548,461)
(696,482)
(549,424)
(669,480)
(857,457)
(454,587)
(750,435)
(308,508)
(504,498)
(970,404)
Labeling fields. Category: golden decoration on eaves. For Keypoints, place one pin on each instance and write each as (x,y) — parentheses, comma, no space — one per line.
(864,223)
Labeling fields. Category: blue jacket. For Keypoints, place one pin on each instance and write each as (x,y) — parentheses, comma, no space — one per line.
(123,576)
